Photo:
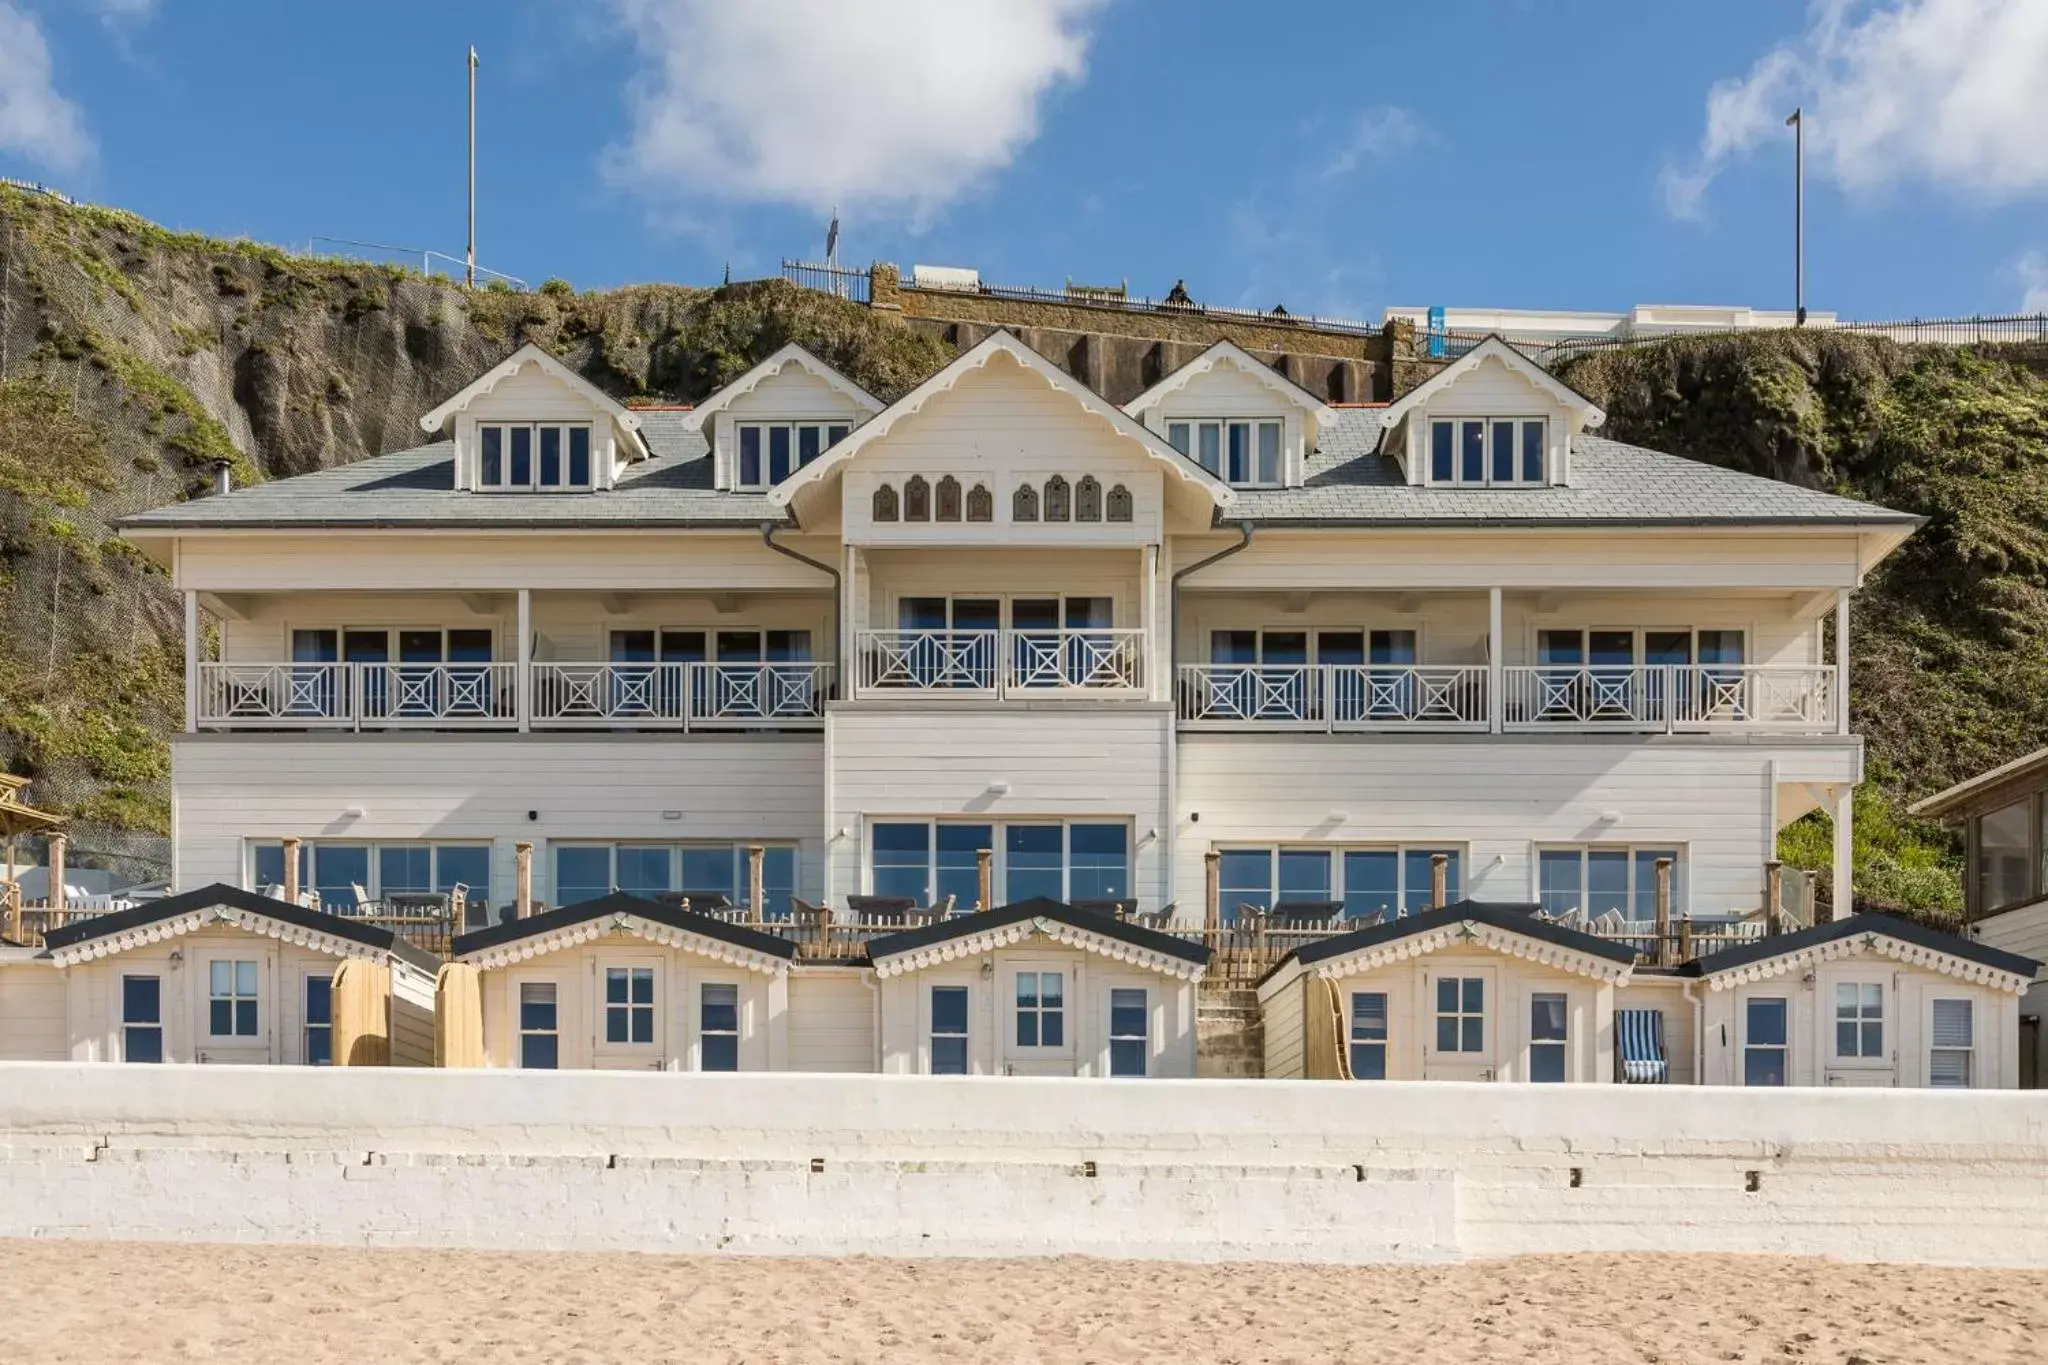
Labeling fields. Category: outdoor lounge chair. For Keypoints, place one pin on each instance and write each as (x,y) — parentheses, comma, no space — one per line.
(889,910)
(1639,1047)
(1304,914)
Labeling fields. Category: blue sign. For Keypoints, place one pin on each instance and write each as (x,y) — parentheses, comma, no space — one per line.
(1436,332)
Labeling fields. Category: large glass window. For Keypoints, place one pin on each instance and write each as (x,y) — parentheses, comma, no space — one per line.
(770,452)
(1060,860)
(1482,452)
(1547,1042)
(231,1006)
(629,1005)
(949,1030)
(1594,880)
(1240,451)
(1129,1031)
(1764,1041)
(318,1034)
(1369,1035)
(1859,1019)
(718,1026)
(2005,856)
(586,872)
(142,1019)
(540,1036)
(1041,1009)
(1952,1043)
(1387,882)
(523,457)
(336,870)
(1461,1014)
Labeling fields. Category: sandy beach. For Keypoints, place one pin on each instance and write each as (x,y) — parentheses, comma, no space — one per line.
(95,1302)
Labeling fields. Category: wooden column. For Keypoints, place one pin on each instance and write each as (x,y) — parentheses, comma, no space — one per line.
(522,879)
(1439,880)
(985,878)
(757,857)
(291,871)
(1212,892)
(1662,955)
(1774,880)
(56,894)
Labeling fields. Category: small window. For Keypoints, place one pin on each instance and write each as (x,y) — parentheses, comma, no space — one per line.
(1041,1009)
(1057,499)
(2005,856)
(1242,451)
(1024,504)
(540,1038)
(1177,436)
(1119,503)
(769,452)
(949,499)
(885,503)
(231,999)
(1088,499)
(1487,452)
(1368,1035)
(981,504)
(1859,1019)
(547,456)
(949,1030)
(1461,1014)
(1764,1035)
(1547,1037)
(718,1027)
(1951,1038)
(1129,1032)
(629,1005)
(318,1039)
(917,499)
(142,1019)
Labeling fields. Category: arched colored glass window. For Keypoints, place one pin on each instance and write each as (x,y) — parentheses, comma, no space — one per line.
(1024,505)
(949,499)
(917,499)
(1057,499)
(1088,499)
(981,504)
(1119,503)
(885,503)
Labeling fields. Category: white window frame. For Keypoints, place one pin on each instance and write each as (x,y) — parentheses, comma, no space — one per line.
(1969,1054)
(739,892)
(1640,910)
(1457,422)
(1354,1039)
(533,483)
(479,896)
(307,1028)
(794,426)
(650,967)
(1143,1038)
(999,867)
(1015,1012)
(930,1033)
(1315,635)
(520,1032)
(1859,1020)
(1745,1047)
(700,1002)
(235,997)
(1254,425)
(1336,853)
(1638,643)
(1485,1013)
(158,1024)
(1563,1046)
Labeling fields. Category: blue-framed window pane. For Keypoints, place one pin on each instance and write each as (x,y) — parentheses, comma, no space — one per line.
(319,1021)
(142,1033)
(1416,869)
(1129,1023)
(718,1029)
(1442,455)
(579,457)
(1304,875)
(1244,877)
(582,873)
(405,867)
(750,457)
(1607,877)
(949,1031)
(1372,883)
(959,866)
(902,860)
(1503,452)
(1099,862)
(1547,1040)
(1532,452)
(1368,1035)
(644,870)
(1472,452)
(720,869)
(1033,858)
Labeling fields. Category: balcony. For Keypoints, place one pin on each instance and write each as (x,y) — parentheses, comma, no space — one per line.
(488,696)
(1016,664)
(1454,698)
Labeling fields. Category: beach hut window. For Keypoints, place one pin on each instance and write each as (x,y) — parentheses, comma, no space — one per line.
(1952,1035)
(1129,1024)
(949,1030)
(1119,503)
(1461,1014)
(949,499)
(1764,1047)
(629,1005)
(981,504)
(1547,1043)
(1368,1035)
(142,1019)
(718,1026)
(317,1042)
(917,499)
(1859,1019)
(231,1010)
(540,1037)
(1041,1009)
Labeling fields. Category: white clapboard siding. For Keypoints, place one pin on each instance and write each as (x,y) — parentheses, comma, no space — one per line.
(1491,389)
(832,1019)
(481,787)
(929,759)
(1496,798)
(1282,1017)
(33,1022)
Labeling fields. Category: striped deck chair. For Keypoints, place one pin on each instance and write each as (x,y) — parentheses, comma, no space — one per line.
(1639,1039)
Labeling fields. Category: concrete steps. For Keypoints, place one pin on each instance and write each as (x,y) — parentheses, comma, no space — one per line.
(1230,1041)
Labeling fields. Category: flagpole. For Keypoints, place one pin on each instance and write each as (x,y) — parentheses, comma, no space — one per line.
(469,269)
(1797,123)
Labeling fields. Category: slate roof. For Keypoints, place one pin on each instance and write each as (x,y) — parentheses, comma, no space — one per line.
(623,903)
(1039,907)
(234,897)
(1855,926)
(1516,919)
(1349,483)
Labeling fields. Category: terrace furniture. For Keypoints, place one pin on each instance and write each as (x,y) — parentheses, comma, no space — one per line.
(1369,920)
(1639,1047)
(1305,915)
(884,910)
(1609,924)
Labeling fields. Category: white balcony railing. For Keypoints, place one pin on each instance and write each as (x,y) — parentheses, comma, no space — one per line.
(1671,697)
(1001,663)
(1333,697)
(342,696)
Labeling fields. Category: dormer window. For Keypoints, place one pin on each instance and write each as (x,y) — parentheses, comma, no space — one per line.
(1488,452)
(770,452)
(523,457)
(1242,451)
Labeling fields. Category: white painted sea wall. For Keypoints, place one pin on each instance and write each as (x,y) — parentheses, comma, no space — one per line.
(916,1166)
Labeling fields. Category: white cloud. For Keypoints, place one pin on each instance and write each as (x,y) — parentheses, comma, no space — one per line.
(900,105)
(1947,93)
(125,11)
(2032,269)
(36,121)
(1383,132)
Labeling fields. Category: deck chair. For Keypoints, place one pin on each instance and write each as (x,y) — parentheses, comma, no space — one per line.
(1304,914)
(1639,1047)
(1108,908)
(1609,923)
(882,910)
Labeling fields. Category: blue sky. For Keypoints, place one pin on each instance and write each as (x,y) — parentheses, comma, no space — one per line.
(1336,158)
